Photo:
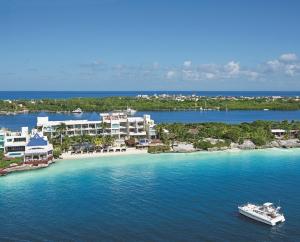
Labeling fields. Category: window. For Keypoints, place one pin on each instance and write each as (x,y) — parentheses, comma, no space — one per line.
(16,148)
(19,139)
(115,126)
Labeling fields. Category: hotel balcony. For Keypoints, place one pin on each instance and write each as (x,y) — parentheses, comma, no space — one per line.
(137,133)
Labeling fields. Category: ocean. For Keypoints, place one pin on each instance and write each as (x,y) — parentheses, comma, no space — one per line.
(165,197)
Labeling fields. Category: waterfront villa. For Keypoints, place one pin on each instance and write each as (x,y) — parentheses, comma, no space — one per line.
(15,143)
(116,124)
(38,149)
(280,133)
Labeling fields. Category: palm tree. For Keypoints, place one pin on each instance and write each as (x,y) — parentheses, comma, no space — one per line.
(61,129)
(98,141)
(104,126)
(287,128)
(66,144)
(159,131)
(108,140)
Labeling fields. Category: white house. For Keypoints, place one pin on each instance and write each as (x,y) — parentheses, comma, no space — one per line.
(15,143)
(38,149)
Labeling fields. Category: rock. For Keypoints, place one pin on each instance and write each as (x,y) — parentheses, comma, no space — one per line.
(234,146)
(272,144)
(291,143)
(184,147)
(247,145)
(213,141)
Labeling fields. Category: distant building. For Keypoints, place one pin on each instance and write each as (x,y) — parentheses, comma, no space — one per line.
(116,124)
(38,149)
(280,133)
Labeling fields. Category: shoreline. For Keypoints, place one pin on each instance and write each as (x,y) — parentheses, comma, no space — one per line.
(130,151)
(13,113)
(68,156)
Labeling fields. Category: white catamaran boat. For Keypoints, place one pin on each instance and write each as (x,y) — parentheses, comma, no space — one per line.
(265,213)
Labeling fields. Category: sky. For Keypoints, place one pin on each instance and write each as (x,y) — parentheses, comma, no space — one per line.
(106,45)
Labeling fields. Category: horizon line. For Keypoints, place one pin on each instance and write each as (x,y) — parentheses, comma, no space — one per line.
(150,91)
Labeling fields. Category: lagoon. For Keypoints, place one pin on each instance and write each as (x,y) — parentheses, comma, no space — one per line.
(15,122)
(165,197)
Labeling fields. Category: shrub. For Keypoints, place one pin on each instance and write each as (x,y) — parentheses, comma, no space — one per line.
(158,149)
(57,152)
(204,145)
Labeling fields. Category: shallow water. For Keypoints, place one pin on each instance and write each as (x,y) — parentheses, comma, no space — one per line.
(166,197)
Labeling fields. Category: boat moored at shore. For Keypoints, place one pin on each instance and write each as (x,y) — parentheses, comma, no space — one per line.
(78,110)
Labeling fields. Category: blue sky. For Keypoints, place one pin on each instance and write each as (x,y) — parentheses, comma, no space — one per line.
(149,45)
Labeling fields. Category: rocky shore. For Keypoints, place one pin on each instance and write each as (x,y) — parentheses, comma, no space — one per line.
(246,145)
(24,167)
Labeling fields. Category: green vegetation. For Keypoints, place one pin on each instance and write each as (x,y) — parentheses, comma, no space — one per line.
(121,103)
(259,132)
(205,145)
(158,149)
(63,143)
(5,162)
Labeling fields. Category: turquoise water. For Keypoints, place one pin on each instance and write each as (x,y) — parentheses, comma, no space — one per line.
(167,197)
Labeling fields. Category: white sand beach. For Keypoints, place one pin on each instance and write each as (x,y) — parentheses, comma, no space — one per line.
(129,151)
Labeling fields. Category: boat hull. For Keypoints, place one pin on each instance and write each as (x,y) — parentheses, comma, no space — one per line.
(260,219)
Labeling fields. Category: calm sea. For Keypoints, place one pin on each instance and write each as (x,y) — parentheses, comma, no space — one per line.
(168,197)
(74,94)
(15,122)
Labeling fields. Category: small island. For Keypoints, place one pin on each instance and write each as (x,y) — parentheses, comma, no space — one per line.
(162,102)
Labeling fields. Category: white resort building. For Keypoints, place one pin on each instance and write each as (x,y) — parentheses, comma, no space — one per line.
(116,124)
(15,143)
(33,147)
(38,149)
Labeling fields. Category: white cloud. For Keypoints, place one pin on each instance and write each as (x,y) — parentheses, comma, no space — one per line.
(292,69)
(233,68)
(274,65)
(288,57)
(187,63)
(171,74)
(284,65)
(209,75)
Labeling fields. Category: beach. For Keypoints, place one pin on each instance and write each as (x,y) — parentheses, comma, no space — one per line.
(129,151)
